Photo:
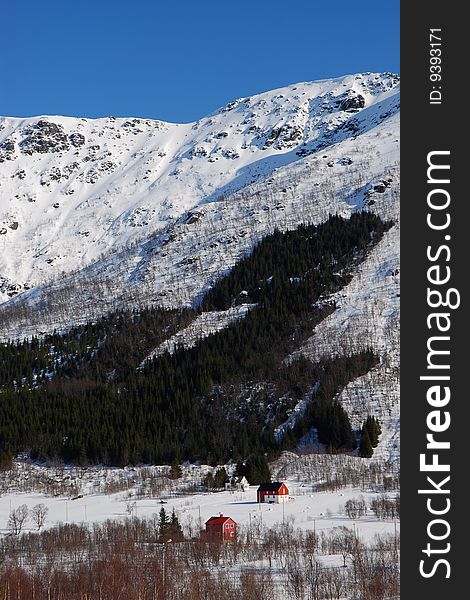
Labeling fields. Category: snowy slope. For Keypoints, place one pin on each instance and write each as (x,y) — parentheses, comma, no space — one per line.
(171,259)
(367,316)
(100,214)
(204,325)
(72,190)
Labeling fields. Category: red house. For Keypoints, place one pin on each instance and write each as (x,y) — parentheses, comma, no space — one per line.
(221,528)
(275,492)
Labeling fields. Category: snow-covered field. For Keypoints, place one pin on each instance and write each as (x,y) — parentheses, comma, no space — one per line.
(305,509)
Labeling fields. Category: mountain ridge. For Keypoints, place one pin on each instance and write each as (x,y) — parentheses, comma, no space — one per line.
(300,159)
(72,189)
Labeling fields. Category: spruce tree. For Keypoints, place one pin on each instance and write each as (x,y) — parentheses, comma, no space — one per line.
(97,405)
(373,429)
(209,481)
(257,469)
(163,522)
(174,530)
(240,469)
(220,478)
(348,441)
(365,447)
(174,519)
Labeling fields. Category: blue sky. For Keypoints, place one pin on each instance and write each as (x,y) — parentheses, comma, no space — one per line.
(179,60)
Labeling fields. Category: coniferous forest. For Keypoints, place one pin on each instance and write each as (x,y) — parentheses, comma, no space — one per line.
(89,395)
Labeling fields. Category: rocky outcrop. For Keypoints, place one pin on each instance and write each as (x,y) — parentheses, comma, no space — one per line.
(7,150)
(44,137)
(284,137)
(51,175)
(77,139)
(99,170)
(230,153)
(352,101)
(198,152)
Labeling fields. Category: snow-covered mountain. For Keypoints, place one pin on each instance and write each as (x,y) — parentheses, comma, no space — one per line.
(100,214)
(73,190)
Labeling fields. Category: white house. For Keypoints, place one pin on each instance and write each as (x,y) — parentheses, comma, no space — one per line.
(240,484)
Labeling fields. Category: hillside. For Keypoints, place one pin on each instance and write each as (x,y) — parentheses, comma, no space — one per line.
(73,189)
(103,216)
(216,401)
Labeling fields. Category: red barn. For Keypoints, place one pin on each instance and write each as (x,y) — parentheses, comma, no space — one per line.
(221,528)
(275,492)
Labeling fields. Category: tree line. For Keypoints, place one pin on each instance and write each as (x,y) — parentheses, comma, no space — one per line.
(85,396)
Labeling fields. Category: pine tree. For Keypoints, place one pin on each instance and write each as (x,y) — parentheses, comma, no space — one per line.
(365,447)
(163,522)
(165,411)
(373,429)
(209,481)
(174,530)
(257,469)
(220,478)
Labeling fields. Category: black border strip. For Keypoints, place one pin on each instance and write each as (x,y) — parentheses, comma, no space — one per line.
(434,122)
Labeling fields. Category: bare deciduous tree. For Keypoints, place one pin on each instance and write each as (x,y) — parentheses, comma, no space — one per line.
(17,519)
(39,515)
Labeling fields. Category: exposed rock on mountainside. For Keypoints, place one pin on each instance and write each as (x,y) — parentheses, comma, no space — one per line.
(101,214)
(60,175)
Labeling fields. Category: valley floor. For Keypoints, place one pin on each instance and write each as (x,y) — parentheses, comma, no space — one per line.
(100,538)
(306,509)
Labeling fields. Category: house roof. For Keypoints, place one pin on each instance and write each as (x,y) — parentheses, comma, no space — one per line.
(219,520)
(274,486)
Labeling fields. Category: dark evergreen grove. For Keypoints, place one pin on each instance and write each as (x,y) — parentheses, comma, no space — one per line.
(369,439)
(83,397)
(256,469)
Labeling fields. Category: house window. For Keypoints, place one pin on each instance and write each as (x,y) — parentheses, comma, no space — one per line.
(227,526)
(231,525)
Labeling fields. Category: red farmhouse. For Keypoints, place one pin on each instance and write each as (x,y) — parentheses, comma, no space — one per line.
(275,492)
(221,528)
